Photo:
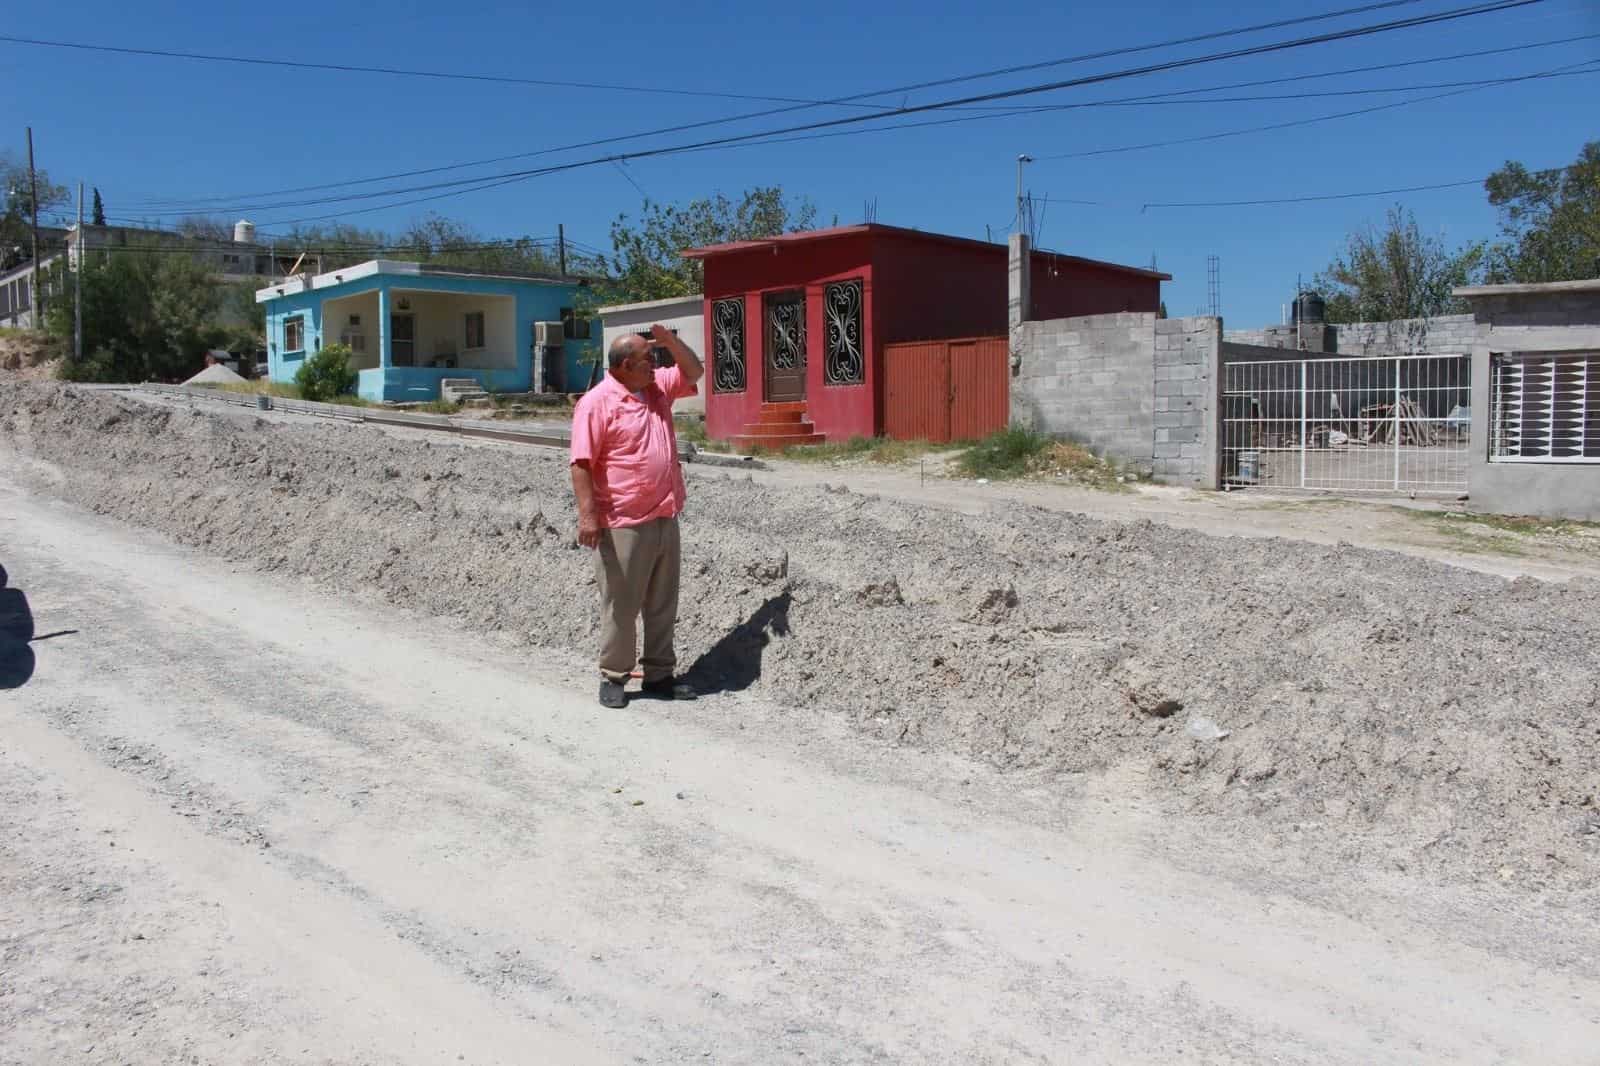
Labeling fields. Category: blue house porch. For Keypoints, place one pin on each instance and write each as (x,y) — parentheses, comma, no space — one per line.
(410,325)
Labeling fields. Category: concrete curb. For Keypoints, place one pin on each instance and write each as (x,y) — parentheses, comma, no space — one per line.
(465,427)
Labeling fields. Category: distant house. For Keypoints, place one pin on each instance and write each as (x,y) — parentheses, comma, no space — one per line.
(410,325)
(239,260)
(16,291)
(798,325)
(683,315)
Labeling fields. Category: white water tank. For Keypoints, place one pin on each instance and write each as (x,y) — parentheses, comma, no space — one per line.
(244,232)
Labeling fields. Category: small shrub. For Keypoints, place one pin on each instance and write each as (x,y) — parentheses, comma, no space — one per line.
(1008,453)
(690,428)
(98,367)
(327,374)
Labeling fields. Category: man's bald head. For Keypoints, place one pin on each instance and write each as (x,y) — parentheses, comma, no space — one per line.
(625,346)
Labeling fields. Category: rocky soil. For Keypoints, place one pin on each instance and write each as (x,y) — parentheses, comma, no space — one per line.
(1398,710)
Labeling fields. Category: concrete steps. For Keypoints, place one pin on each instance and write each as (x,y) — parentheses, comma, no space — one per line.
(464,391)
(778,425)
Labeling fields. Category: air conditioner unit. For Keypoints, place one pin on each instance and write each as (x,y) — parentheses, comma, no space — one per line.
(549,334)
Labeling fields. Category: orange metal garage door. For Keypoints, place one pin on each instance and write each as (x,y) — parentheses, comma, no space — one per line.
(946,390)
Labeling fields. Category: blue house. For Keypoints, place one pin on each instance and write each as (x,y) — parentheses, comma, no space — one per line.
(410,325)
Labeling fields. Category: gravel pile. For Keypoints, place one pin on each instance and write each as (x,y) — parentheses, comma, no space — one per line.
(1421,713)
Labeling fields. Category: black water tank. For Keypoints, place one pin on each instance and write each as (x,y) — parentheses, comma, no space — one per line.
(1309,308)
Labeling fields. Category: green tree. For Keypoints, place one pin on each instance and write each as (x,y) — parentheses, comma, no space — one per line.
(447,242)
(99,218)
(205,227)
(16,224)
(434,239)
(1396,273)
(146,315)
(646,261)
(1549,221)
(239,308)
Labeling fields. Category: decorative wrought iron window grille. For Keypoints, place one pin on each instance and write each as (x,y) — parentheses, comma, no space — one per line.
(727,354)
(843,363)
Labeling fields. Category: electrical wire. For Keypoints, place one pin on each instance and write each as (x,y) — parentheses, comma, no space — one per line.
(492,181)
(438,75)
(1559,72)
(682,127)
(1155,98)
(1065,107)
(1315,199)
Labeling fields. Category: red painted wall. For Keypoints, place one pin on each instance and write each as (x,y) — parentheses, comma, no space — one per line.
(1063,288)
(931,290)
(914,288)
(838,412)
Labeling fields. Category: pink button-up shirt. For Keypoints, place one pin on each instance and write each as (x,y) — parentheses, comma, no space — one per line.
(632,449)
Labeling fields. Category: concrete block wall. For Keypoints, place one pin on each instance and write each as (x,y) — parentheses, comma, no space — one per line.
(1185,409)
(1438,335)
(1090,379)
(1129,385)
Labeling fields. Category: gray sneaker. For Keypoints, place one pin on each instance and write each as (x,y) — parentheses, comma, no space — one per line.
(612,694)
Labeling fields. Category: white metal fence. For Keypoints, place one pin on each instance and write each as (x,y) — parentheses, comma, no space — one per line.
(1392,424)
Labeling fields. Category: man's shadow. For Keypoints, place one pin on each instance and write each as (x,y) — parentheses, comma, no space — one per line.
(16,632)
(733,663)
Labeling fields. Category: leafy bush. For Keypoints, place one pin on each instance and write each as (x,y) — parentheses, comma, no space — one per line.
(154,313)
(1011,452)
(100,366)
(326,374)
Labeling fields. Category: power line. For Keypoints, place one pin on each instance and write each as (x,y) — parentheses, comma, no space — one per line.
(1066,107)
(1315,199)
(623,170)
(1559,72)
(439,75)
(1479,83)
(491,181)
(682,127)
(1373,68)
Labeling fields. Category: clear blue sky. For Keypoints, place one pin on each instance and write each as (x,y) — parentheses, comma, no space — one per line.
(148,129)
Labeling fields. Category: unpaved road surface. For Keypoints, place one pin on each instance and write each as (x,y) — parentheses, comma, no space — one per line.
(244,821)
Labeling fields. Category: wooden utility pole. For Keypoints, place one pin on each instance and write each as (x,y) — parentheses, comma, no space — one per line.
(561,246)
(33,195)
(77,286)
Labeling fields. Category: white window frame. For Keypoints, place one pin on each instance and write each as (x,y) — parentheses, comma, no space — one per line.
(297,322)
(1546,402)
(466,331)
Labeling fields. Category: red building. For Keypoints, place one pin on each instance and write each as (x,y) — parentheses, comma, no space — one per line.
(797,325)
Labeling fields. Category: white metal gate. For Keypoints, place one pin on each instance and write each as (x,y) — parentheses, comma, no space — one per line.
(1392,424)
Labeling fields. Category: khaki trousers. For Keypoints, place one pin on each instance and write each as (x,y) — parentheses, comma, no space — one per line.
(637,568)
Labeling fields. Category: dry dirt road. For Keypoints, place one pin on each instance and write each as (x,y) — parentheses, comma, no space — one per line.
(243,821)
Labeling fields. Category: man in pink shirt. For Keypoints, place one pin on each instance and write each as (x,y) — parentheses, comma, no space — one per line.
(630,489)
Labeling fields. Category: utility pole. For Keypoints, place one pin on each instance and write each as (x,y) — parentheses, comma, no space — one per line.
(1021,159)
(77,286)
(1299,327)
(561,246)
(33,195)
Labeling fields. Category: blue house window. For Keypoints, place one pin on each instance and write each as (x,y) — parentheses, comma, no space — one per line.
(294,334)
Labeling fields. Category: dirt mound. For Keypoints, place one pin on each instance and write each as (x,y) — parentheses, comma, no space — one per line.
(27,355)
(1398,708)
